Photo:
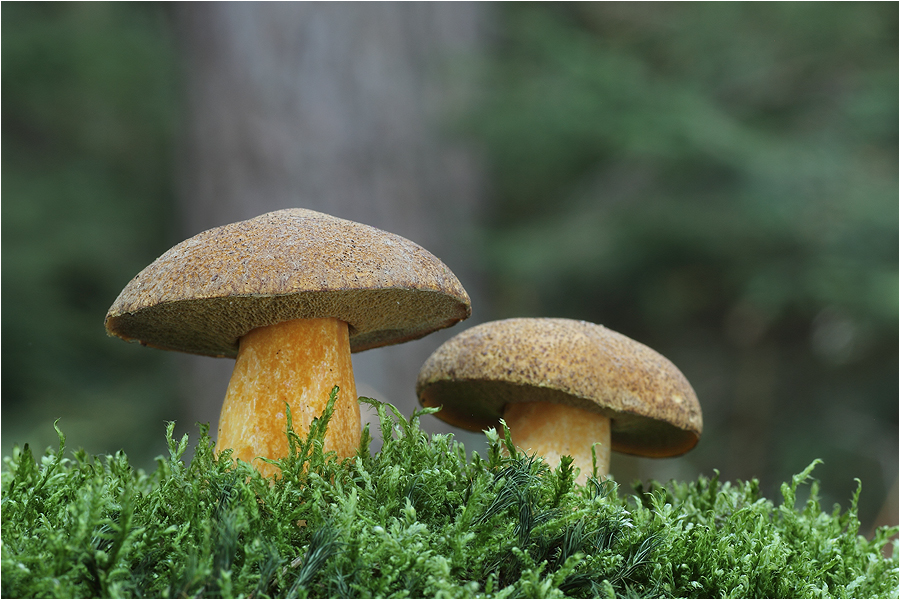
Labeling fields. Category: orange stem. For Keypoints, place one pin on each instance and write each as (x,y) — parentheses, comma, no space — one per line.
(554,430)
(295,362)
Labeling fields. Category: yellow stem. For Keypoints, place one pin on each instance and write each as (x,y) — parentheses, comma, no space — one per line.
(554,430)
(295,362)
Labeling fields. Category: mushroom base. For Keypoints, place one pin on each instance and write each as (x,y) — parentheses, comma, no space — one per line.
(295,363)
(554,430)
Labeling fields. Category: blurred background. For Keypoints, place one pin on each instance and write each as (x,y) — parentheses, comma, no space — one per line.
(718,181)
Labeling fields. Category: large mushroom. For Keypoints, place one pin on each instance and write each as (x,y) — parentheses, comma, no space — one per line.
(563,387)
(290,294)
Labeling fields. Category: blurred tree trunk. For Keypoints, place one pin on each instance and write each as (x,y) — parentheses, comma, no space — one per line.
(340,108)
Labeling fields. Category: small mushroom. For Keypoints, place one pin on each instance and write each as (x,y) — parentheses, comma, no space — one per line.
(562,387)
(290,294)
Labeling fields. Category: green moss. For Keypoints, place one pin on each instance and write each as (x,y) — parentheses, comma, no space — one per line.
(416,519)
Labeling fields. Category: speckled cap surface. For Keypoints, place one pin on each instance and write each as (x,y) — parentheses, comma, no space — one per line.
(474,375)
(205,293)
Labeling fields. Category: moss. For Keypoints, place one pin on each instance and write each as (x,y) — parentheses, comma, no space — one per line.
(417,519)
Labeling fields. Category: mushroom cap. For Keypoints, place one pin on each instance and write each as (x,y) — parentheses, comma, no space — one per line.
(205,293)
(474,375)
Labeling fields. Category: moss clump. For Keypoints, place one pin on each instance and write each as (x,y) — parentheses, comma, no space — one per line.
(416,519)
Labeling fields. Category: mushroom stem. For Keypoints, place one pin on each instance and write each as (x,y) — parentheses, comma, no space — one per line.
(296,362)
(553,430)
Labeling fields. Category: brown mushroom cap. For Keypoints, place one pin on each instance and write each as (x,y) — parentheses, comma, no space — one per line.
(474,375)
(205,293)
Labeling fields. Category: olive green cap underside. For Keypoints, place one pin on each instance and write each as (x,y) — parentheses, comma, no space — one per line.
(207,292)
(478,405)
(213,326)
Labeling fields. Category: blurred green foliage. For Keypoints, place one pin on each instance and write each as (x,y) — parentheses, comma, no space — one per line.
(89,111)
(718,181)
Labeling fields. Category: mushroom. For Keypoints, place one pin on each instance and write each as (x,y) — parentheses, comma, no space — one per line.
(290,294)
(563,387)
